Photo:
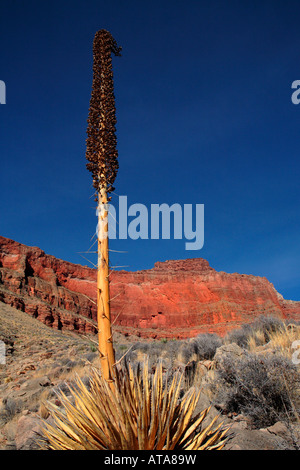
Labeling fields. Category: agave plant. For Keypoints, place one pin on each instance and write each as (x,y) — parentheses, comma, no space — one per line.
(141,412)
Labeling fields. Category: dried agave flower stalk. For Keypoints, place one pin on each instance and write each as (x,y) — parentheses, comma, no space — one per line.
(102,156)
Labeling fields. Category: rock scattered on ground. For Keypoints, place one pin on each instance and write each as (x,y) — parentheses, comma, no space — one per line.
(40,361)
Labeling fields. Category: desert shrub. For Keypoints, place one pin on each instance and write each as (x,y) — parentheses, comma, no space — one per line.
(11,406)
(93,347)
(164,340)
(240,336)
(201,348)
(268,326)
(92,356)
(187,352)
(143,347)
(264,388)
(206,345)
(155,351)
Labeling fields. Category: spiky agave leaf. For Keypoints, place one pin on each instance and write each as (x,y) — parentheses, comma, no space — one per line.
(141,412)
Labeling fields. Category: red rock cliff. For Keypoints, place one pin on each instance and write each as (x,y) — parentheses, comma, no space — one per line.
(174,299)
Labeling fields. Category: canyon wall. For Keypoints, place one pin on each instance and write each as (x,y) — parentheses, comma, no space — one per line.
(175,299)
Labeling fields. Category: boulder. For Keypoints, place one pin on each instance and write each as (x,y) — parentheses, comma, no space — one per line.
(232,351)
(27,432)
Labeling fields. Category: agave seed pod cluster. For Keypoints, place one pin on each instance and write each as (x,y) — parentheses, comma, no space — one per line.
(101,143)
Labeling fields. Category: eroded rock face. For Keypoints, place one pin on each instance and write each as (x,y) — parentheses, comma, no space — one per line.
(178,299)
(47,288)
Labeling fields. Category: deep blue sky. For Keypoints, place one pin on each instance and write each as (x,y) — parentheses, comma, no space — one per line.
(203,95)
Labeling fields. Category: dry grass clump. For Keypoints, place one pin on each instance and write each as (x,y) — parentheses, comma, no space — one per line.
(260,328)
(281,340)
(139,412)
(265,330)
(175,353)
